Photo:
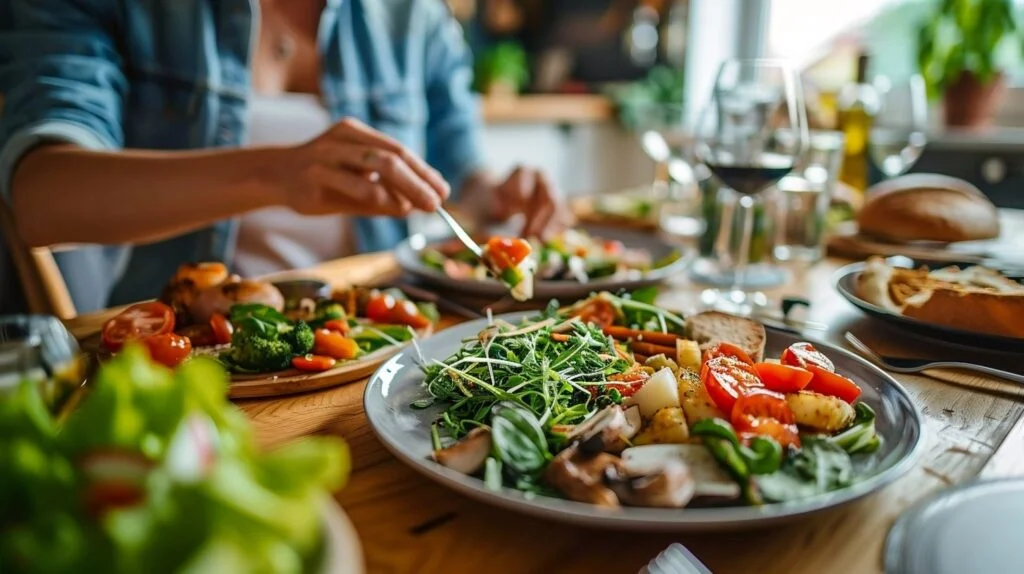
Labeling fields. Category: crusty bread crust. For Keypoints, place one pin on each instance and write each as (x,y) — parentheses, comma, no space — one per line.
(927,207)
(974,298)
(712,327)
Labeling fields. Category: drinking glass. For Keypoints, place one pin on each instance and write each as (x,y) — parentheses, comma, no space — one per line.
(897,136)
(751,134)
(804,198)
(665,139)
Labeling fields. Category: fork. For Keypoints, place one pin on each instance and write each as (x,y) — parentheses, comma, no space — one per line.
(459,232)
(900,365)
(676,559)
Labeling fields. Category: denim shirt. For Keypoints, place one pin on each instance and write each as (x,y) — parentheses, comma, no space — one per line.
(175,75)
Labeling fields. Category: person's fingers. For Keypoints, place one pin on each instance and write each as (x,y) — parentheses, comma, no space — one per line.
(542,208)
(394,172)
(357,194)
(512,195)
(352,130)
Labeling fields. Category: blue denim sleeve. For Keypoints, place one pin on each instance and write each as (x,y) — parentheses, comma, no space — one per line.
(60,77)
(453,122)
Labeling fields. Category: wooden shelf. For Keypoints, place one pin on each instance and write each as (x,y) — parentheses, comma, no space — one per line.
(557,109)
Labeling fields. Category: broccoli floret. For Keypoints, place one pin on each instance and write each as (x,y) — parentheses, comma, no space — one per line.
(330,311)
(300,337)
(253,352)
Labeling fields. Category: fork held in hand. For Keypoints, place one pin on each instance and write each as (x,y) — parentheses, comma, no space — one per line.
(898,365)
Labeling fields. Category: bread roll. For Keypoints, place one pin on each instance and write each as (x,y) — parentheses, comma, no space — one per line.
(712,327)
(927,207)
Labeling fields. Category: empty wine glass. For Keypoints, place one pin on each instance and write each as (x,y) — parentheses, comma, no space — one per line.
(897,136)
(752,133)
(663,136)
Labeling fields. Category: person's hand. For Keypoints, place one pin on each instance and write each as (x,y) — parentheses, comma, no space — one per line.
(530,192)
(353,169)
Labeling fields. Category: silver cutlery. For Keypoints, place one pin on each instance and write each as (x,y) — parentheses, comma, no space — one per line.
(901,365)
(461,233)
(676,559)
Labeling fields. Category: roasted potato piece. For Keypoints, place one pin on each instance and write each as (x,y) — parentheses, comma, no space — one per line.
(695,400)
(820,412)
(667,426)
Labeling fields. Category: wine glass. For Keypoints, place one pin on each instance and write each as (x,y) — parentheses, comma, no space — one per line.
(897,137)
(752,133)
(663,136)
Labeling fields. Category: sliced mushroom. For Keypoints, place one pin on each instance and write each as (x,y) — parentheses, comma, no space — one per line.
(711,480)
(609,430)
(469,454)
(670,485)
(584,477)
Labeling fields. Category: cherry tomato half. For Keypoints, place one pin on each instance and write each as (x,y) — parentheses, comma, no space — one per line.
(507,252)
(168,349)
(726,350)
(832,384)
(136,322)
(313,363)
(386,309)
(783,378)
(199,335)
(222,329)
(103,496)
(765,413)
(335,345)
(727,379)
(804,354)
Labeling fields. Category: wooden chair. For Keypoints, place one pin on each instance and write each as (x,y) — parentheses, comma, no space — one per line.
(41,280)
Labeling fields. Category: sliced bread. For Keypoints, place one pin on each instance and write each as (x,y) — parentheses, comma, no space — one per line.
(712,327)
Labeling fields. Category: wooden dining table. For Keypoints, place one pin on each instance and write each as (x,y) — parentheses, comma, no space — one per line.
(407,523)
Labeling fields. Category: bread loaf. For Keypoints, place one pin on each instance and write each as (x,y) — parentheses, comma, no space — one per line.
(927,207)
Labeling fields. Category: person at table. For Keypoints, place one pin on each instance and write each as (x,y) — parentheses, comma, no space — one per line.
(122,122)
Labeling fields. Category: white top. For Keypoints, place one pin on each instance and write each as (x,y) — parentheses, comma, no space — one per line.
(277,238)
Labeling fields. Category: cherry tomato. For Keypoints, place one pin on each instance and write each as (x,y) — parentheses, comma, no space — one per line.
(765,413)
(104,496)
(804,354)
(137,321)
(199,335)
(507,252)
(829,383)
(598,312)
(726,350)
(313,363)
(727,379)
(222,329)
(626,383)
(335,345)
(386,309)
(783,378)
(338,326)
(168,349)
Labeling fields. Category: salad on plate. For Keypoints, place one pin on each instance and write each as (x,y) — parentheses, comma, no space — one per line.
(615,402)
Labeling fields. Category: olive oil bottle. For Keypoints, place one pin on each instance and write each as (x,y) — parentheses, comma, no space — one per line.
(857,105)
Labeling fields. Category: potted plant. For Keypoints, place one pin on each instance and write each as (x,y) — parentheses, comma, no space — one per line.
(960,51)
(502,70)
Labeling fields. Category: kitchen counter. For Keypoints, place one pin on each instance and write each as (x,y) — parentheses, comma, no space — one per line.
(547,108)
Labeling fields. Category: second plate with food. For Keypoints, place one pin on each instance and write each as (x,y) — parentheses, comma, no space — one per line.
(847,281)
(572,265)
(675,482)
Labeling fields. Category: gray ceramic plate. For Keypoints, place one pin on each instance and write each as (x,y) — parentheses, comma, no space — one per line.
(408,255)
(406,433)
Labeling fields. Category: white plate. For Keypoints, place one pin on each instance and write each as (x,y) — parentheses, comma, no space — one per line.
(406,433)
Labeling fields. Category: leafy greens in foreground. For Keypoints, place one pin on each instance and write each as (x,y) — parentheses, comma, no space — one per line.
(156,471)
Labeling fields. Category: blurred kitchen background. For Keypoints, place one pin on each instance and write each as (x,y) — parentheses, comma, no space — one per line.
(559,79)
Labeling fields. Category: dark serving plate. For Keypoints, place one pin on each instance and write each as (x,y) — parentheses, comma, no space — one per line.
(846,284)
